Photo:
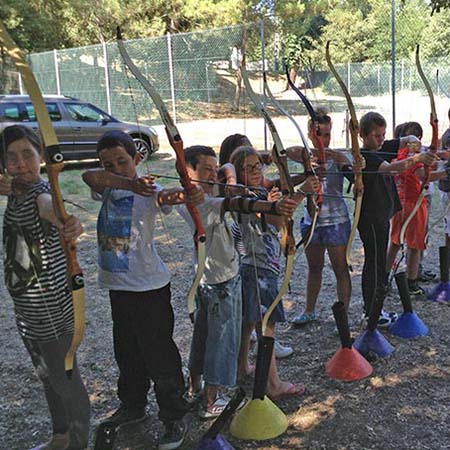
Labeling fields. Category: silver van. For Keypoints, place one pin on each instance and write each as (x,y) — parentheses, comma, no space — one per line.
(78,124)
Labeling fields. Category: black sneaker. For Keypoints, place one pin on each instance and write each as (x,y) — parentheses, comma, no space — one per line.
(416,291)
(173,436)
(127,416)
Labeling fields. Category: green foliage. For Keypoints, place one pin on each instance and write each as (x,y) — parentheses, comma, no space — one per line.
(359,29)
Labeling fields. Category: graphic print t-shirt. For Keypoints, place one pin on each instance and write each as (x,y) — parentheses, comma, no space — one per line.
(127,255)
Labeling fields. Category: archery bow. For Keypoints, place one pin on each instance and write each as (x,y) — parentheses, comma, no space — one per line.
(313,207)
(279,157)
(315,131)
(356,154)
(54,164)
(177,144)
(426,180)
(433,147)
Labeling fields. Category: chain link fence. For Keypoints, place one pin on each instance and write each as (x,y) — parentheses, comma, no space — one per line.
(196,75)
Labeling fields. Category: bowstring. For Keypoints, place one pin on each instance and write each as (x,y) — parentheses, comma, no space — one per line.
(147,170)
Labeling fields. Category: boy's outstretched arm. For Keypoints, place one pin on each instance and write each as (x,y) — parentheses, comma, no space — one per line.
(99,179)
(177,196)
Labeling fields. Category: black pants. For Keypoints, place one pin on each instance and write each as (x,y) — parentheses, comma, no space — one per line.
(375,238)
(144,350)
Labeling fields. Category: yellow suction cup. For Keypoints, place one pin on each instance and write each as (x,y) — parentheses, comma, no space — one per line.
(259,420)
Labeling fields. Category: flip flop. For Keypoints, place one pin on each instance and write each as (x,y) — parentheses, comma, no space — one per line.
(293,390)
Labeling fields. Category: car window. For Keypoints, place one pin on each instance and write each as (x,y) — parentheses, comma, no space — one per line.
(52,108)
(9,112)
(83,112)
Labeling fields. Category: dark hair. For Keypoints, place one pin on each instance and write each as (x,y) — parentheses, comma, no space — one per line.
(413,128)
(398,132)
(369,121)
(238,157)
(230,144)
(321,116)
(15,133)
(116,138)
(192,153)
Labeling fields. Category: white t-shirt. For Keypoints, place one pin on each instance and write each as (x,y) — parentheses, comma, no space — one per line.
(222,260)
(127,255)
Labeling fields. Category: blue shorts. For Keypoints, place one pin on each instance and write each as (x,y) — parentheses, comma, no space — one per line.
(329,235)
(217,332)
(266,287)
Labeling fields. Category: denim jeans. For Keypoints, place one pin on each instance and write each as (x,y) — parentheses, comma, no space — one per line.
(259,287)
(217,332)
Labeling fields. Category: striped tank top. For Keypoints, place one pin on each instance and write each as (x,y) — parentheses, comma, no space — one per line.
(35,269)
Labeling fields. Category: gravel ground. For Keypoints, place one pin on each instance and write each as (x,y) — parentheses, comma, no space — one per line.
(404,404)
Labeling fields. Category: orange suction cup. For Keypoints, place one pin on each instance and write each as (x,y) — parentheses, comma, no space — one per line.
(348,364)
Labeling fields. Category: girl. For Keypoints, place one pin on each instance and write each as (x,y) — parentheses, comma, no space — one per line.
(333,227)
(260,268)
(36,278)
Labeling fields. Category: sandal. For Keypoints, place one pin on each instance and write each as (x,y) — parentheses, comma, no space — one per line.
(294,390)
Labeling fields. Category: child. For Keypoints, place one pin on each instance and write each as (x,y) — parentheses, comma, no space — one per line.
(36,278)
(217,329)
(227,174)
(333,227)
(139,289)
(380,203)
(444,187)
(409,184)
(260,268)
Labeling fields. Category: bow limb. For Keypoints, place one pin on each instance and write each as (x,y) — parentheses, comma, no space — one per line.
(177,144)
(313,206)
(279,156)
(315,131)
(54,164)
(356,154)
(433,147)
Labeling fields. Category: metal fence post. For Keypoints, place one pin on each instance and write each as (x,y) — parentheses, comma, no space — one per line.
(172,83)
(402,74)
(107,86)
(19,76)
(263,44)
(393,63)
(55,62)
(349,78)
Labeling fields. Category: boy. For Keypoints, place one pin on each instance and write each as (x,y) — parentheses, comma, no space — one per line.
(217,329)
(380,203)
(138,284)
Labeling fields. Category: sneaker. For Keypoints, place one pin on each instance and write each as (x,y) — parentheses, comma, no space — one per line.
(386,318)
(304,318)
(214,410)
(282,351)
(426,276)
(173,436)
(127,416)
(416,291)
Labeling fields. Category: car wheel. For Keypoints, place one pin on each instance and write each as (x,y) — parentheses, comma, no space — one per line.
(143,147)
